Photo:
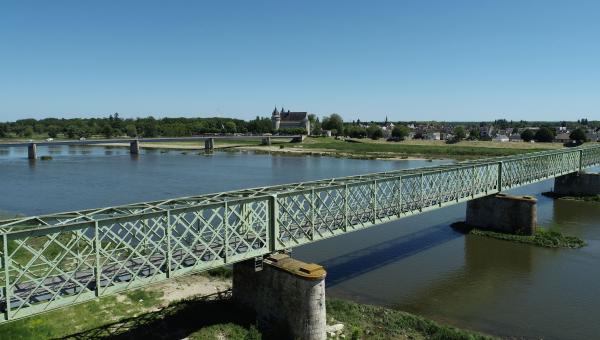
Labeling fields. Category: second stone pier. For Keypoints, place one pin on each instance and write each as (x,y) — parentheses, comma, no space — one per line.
(503,213)
(577,184)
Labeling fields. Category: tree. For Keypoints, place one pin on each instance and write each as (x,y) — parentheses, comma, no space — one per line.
(578,135)
(52,131)
(355,131)
(107,131)
(131,130)
(230,127)
(527,135)
(28,132)
(333,122)
(544,135)
(149,127)
(374,131)
(474,134)
(400,132)
(459,133)
(317,128)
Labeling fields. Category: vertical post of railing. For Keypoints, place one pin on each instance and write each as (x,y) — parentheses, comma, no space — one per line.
(374,200)
(500,176)
(422,194)
(399,202)
(580,160)
(273,223)
(345,207)
(473,181)
(5,264)
(97,268)
(313,212)
(78,254)
(168,238)
(226,230)
(440,187)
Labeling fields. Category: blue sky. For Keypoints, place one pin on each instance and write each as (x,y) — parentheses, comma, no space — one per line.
(409,60)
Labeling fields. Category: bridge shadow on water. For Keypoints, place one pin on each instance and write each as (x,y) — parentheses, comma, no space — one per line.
(357,263)
(176,321)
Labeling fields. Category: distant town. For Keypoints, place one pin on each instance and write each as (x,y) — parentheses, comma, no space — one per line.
(288,122)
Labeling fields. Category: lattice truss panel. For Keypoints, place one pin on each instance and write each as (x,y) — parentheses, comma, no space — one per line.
(61,259)
(532,169)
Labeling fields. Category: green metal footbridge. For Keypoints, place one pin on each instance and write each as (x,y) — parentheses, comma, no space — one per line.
(66,258)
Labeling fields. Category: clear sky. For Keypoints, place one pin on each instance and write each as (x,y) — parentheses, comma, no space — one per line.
(409,60)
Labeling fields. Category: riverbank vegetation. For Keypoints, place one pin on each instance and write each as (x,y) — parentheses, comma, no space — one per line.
(551,194)
(115,126)
(366,148)
(373,322)
(541,237)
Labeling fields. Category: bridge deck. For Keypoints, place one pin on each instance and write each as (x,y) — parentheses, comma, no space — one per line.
(60,259)
(141,140)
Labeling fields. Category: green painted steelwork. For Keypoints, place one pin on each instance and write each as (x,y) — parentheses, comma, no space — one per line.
(61,259)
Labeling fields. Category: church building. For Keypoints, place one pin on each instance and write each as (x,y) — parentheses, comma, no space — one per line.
(290,120)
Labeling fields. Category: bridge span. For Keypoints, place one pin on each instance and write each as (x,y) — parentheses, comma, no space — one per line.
(134,143)
(65,258)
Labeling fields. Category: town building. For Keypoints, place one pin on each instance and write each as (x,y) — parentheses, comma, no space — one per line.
(562,138)
(290,120)
(501,138)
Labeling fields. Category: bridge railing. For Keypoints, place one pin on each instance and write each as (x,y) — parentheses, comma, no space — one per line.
(62,259)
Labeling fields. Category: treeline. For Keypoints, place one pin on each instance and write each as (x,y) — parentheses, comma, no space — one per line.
(114,126)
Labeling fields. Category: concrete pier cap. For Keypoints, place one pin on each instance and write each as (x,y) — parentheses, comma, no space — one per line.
(287,296)
(503,213)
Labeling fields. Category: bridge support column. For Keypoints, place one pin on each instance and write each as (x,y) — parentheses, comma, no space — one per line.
(32,151)
(503,213)
(287,296)
(209,144)
(134,147)
(577,184)
(299,139)
(266,141)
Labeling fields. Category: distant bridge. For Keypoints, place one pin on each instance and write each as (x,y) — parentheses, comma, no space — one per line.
(134,142)
(66,258)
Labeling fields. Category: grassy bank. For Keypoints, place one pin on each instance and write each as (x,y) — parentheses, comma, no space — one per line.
(583,198)
(373,322)
(366,148)
(541,237)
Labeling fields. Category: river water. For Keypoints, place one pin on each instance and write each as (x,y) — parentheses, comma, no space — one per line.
(418,264)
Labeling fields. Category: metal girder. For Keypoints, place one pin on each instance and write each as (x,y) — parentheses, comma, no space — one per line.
(60,259)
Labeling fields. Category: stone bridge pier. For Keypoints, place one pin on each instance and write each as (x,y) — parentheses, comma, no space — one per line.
(134,147)
(209,144)
(32,151)
(287,296)
(503,213)
(577,184)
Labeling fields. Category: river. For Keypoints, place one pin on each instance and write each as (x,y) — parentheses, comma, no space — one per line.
(418,264)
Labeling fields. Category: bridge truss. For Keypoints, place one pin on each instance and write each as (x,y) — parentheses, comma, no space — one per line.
(66,258)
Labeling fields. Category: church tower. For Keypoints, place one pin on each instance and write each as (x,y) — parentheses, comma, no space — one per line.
(276,119)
